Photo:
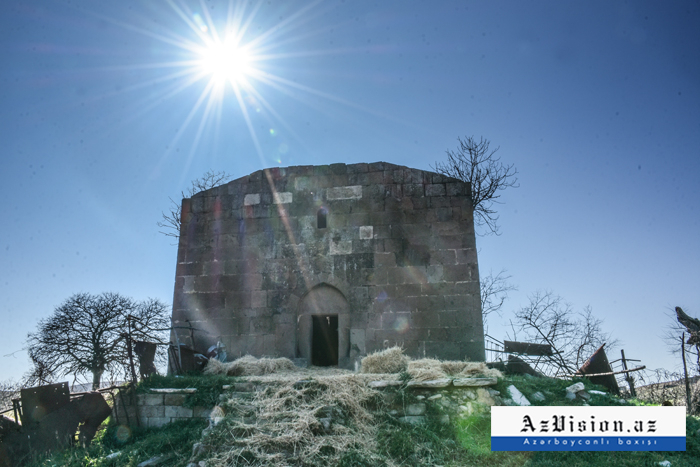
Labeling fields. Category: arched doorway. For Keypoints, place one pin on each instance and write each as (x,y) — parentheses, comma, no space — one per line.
(323,327)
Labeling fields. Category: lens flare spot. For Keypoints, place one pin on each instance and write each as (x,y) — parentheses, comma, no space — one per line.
(273,132)
(401,324)
(382,296)
(200,22)
(123,433)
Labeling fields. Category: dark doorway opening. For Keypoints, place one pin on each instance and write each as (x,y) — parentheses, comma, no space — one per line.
(324,340)
(321,218)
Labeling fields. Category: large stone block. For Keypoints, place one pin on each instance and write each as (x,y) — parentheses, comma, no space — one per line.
(177,411)
(437,189)
(148,411)
(149,399)
(174,399)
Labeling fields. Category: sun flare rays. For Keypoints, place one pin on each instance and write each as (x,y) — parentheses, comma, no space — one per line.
(231,67)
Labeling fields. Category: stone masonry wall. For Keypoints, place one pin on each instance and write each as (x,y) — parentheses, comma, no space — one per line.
(396,263)
(154,410)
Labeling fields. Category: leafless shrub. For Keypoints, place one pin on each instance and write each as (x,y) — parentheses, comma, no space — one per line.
(668,387)
(548,319)
(494,292)
(8,390)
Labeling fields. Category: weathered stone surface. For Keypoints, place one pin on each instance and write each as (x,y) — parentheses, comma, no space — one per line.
(258,257)
(344,192)
(538,396)
(474,381)
(149,399)
(486,397)
(149,411)
(174,399)
(416,409)
(517,396)
(383,384)
(435,383)
(178,412)
(573,389)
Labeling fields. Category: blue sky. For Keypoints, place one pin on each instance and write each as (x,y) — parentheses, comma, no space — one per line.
(596,103)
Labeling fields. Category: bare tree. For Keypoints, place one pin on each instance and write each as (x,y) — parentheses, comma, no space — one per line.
(87,334)
(683,338)
(171,220)
(548,319)
(476,163)
(494,292)
(8,390)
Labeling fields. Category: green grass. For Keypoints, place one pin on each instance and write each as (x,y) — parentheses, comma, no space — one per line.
(173,441)
(466,441)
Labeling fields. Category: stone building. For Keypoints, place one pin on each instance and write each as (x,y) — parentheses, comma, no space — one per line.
(328,263)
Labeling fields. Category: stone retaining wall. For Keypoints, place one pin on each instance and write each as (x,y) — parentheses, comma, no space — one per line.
(461,395)
(154,410)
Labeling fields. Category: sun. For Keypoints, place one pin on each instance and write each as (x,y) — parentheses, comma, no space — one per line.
(231,59)
(226,61)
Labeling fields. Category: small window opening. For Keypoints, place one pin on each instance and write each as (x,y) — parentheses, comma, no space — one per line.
(321,218)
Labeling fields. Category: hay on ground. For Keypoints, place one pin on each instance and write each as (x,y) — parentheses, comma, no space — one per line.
(249,366)
(309,423)
(427,369)
(391,360)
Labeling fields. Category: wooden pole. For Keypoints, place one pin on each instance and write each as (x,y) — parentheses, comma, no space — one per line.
(685,370)
(128,346)
(579,375)
(628,378)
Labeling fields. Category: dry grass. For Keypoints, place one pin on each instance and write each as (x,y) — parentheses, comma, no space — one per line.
(391,360)
(318,416)
(304,423)
(249,366)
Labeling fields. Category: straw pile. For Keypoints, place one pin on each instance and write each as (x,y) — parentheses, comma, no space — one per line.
(309,423)
(427,369)
(391,360)
(249,366)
